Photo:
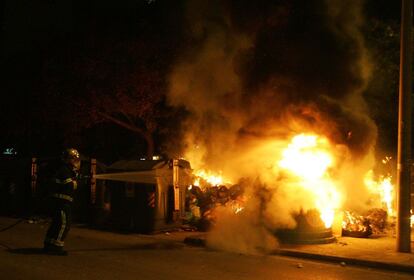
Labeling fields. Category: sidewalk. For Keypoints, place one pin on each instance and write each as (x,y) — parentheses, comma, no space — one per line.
(375,252)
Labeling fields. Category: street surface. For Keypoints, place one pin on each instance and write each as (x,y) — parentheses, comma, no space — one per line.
(104,255)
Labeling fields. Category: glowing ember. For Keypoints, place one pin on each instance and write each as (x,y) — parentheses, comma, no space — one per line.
(355,225)
(308,158)
(236,206)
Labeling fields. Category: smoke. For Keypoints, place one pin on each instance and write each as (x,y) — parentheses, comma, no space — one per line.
(246,232)
(257,73)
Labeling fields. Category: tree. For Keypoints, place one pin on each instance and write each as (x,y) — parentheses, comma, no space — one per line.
(383,41)
(122,86)
(122,83)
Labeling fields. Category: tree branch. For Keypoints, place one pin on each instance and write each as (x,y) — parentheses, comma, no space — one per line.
(127,117)
(121,123)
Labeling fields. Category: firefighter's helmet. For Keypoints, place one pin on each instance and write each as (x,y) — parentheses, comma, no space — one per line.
(72,157)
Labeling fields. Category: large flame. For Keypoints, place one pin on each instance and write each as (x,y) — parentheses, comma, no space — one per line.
(384,188)
(305,158)
(308,158)
(308,161)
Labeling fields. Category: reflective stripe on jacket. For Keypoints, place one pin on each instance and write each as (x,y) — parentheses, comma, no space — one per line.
(63,196)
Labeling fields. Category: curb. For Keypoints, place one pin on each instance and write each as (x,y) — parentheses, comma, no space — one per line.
(201,242)
(347,261)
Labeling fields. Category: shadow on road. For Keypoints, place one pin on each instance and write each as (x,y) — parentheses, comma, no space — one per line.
(152,246)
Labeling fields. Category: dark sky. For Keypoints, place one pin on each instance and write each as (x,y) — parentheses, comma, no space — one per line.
(30,24)
(31,30)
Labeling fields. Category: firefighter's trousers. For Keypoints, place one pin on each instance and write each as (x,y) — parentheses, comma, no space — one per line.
(61,221)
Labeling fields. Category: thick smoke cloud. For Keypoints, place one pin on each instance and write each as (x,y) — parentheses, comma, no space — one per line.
(258,71)
(257,62)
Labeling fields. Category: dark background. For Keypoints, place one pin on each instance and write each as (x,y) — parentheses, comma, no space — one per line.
(41,38)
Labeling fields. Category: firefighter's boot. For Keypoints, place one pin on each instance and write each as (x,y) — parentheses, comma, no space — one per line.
(54,250)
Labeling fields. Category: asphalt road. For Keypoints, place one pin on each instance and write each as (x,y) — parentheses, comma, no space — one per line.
(100,255)
(173,263)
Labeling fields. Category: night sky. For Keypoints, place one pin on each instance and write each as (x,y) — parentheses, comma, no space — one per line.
(41,35)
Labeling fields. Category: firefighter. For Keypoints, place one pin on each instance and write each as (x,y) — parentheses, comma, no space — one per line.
(61,195)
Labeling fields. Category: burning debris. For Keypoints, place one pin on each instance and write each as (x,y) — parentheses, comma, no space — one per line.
(379,220)
(355,226)
(375,221)
(304,169)
(203,202)
(260,109)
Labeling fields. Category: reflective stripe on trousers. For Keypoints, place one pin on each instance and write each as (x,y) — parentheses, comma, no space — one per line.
(63,226)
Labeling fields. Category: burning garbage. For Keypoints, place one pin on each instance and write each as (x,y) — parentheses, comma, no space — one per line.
(203,202)
(378,220)
(260,109)
(305,169)
(355,225)
(375,221)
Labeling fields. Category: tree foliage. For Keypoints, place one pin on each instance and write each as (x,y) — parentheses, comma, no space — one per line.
(122,83)
(383,41)
(114,72)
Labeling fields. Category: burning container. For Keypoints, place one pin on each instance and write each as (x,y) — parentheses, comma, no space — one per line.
(143,196)
(310,229)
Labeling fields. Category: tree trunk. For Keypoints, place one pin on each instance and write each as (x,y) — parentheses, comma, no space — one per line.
(150,144)
(143,133)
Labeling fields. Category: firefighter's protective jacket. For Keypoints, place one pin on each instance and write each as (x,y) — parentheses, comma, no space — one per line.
(65,183)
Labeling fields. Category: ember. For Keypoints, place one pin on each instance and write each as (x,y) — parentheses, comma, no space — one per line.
(355,225)
(373,222)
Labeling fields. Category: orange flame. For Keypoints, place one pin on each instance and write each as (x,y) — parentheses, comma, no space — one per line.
(384,188)
(412,218)
(308,158)
(210,177)
(353,222)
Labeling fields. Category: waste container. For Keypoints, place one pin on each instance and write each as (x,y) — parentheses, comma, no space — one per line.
(144,196)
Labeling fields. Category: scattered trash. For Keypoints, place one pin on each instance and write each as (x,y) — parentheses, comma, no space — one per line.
(343,264)
(299,265)
(167,233)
